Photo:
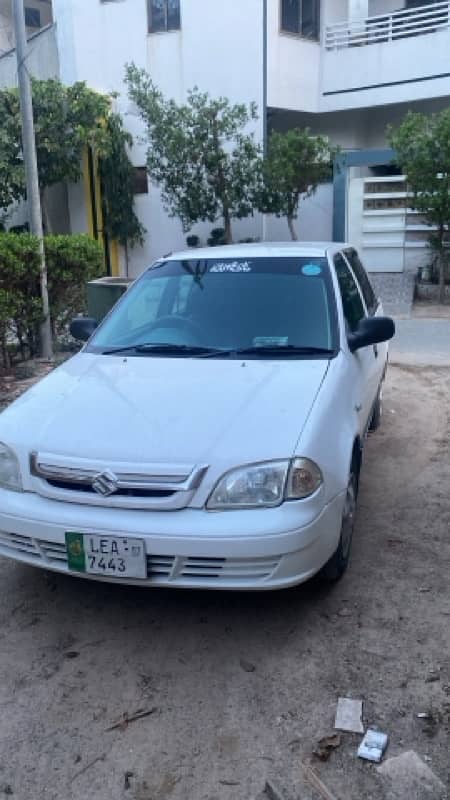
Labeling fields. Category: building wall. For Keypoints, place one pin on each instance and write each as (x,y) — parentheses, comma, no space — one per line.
(6,39)
(293,67)
(6,23)
(43,60)
(219,48)
(408,69)
(333,11)
(385,6)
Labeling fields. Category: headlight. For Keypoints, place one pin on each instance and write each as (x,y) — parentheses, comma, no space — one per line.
(253,486)
(266,485)
(9,470)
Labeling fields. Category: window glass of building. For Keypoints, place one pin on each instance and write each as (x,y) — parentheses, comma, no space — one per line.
(351,298)
(163,15)
(300,17)
(173,15)
(290,15)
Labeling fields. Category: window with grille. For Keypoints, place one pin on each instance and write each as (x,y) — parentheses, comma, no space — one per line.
(164,15)
(301,17)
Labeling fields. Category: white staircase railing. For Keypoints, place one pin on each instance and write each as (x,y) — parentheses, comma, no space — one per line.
(388,27)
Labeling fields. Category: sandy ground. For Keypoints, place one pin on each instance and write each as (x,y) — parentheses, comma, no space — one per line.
(241,687)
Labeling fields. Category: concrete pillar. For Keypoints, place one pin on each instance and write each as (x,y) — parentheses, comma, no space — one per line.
(358,9)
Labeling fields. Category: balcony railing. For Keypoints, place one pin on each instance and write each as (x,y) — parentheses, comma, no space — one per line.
(388,27)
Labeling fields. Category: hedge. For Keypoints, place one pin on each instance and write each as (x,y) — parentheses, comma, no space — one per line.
(71,262)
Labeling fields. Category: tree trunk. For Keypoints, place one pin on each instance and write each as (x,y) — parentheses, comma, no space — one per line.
(292,231)
(227,226)
(5,351)
(441,257)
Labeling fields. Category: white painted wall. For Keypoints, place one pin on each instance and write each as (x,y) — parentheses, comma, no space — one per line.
(6,24)
(293,67)
(219,48)
(314,222)
(43,61)
(333,11)
(6,35)
(358,9)
(385,6)
(379,64)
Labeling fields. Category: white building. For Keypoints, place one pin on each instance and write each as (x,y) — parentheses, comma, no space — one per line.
(345,68)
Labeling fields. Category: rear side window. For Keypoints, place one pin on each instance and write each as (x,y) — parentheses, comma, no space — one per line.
(351,298)
(363,280)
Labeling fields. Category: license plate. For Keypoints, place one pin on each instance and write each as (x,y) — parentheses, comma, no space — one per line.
(115,556)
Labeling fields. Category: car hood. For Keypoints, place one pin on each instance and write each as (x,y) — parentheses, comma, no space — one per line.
(148,409)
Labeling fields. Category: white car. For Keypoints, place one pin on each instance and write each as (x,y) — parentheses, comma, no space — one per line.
(210,432)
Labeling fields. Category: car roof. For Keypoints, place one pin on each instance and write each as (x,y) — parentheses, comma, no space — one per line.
(259,250)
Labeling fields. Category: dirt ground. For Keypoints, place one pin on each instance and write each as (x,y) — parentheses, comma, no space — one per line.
(241,687)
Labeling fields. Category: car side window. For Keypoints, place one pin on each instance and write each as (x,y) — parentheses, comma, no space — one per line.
(360,273)
(351,298)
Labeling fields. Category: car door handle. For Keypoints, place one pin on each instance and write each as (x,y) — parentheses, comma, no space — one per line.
(375,350)
(358,407)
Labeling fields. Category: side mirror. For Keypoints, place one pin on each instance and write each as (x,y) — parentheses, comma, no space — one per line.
(82,328)
(371,330)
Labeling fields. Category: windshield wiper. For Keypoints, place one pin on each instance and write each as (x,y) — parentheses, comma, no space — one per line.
(272,350)
(162,347)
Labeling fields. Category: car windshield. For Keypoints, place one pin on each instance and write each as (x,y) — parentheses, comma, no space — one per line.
(217,306)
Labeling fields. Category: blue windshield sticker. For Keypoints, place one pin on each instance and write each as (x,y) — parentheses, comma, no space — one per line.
(311,270)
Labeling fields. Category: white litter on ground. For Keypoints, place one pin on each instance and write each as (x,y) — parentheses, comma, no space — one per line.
(349,715)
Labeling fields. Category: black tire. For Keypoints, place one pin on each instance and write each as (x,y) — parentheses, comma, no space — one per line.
(338,563)
(377,412)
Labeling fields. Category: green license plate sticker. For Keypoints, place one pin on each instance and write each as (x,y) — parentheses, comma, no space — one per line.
(76,557)
(110,556)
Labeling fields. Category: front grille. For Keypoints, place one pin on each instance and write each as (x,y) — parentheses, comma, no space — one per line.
(18,544)
(163,487)
(87,487)
(163,570)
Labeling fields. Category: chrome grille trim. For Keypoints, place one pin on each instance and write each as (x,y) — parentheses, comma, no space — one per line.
(128,481)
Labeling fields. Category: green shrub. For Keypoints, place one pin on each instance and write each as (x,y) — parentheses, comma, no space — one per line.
(20,307)
(71,262)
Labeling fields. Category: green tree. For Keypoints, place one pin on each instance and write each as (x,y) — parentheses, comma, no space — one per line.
(117,178)
(296,163)
(12,176)
(67,119)
(422,145)
(200,153)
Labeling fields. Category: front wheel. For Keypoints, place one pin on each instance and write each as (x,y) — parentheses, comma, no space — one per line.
(377,412)
(338,563)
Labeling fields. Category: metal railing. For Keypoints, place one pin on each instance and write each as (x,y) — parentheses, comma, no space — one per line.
(388,27)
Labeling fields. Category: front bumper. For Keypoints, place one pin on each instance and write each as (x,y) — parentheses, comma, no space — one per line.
(192,548)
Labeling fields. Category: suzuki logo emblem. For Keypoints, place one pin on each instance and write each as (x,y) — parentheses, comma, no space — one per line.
(106,483)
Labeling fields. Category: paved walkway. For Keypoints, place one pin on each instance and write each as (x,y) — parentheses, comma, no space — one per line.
(421,342)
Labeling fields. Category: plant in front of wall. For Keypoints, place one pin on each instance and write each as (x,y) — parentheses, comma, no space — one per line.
(193,241)
(422,145)
(117,179)
(67,120)
(200,153)
(217,237)
(296,163)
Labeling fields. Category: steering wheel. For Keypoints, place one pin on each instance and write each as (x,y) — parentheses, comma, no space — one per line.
(169,321)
